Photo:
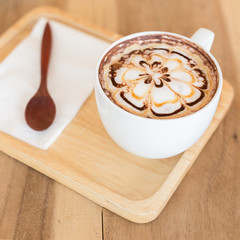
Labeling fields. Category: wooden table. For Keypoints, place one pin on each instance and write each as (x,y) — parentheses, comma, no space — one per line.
(207,203)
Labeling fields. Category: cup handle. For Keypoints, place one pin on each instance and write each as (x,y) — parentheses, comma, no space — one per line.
(204,38)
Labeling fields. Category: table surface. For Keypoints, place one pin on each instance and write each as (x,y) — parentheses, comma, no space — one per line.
(207,203)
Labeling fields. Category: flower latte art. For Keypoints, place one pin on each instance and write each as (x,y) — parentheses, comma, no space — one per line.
(158,76)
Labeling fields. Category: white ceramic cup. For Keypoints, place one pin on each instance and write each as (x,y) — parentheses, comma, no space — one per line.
(157,138)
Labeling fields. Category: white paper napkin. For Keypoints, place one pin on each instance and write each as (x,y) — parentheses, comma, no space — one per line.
(71,78)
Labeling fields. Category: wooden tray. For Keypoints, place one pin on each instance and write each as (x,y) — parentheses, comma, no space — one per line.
(85,159)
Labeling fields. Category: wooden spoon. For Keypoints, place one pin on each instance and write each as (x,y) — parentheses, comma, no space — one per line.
(40,110)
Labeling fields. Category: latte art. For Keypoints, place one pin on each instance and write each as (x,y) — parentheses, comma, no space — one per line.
(158,77)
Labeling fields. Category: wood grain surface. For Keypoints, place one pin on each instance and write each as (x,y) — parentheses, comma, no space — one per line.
(128,185)
(207,203)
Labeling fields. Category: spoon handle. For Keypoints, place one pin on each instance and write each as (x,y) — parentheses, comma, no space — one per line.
(45,57)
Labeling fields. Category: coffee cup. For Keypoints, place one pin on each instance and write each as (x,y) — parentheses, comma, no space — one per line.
(151,137)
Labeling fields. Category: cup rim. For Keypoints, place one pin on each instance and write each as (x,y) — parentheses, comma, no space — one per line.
(130,36)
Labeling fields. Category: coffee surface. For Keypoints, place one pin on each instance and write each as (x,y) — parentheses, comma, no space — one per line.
(158,76)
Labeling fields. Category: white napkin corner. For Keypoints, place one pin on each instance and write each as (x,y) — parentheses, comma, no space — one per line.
(71,76)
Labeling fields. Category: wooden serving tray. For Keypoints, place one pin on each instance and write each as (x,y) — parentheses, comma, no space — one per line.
(84,157)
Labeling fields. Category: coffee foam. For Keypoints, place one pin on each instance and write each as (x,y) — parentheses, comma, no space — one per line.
(158,76)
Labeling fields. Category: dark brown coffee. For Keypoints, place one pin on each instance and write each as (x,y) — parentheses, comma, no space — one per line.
(158,76)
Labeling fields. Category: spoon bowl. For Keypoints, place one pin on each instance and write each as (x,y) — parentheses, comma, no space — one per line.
(40,112)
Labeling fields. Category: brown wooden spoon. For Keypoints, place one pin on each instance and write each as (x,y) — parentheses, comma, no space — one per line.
(41,110)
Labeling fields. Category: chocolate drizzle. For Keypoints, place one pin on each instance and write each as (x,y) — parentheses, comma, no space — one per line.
(156,64)
(112,74)
(128,55)
(142,63)
(164,49)
(130,103)
(140,52)
(197,100)
(164,69)
(203,75)
(166,79)
(168,114)
(191,62)
(148,79)
(159,85)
